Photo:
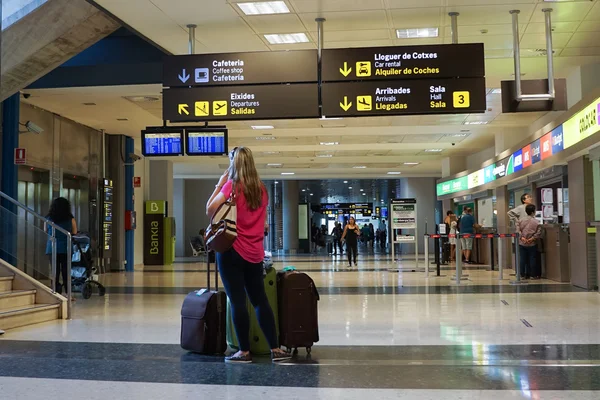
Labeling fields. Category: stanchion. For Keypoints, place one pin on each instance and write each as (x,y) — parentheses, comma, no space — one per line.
(426,246)
(427,257)
(518,281)
(500,258)
(492,253)
(459,276)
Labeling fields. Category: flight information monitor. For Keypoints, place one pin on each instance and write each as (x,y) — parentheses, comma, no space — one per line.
(206,141)
(162,143)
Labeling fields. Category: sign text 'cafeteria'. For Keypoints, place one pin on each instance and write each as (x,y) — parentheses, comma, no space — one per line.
(356,99)
(407,62)
(240,103)
(240,68)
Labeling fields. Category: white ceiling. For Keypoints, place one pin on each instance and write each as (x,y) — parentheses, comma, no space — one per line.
(381,143)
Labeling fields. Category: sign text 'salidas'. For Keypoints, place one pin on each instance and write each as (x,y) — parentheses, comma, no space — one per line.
(243,104)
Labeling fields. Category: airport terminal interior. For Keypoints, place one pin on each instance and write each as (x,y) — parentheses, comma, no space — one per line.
(460,136)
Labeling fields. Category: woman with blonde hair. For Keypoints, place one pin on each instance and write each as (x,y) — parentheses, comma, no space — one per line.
(241,267)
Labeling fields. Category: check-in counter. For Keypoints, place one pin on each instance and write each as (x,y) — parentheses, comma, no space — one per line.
(482,248)
(555,255)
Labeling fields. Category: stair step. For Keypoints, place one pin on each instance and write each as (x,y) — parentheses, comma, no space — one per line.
(6,283)
(20,316)
(17,298)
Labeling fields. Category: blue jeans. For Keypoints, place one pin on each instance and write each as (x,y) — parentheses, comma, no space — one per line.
(241,277)
(528,263)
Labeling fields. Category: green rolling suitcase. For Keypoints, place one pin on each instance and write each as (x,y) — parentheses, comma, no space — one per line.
(258,341)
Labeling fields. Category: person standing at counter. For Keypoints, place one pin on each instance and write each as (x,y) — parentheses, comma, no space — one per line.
(530,230)
(519,212)
(467,226)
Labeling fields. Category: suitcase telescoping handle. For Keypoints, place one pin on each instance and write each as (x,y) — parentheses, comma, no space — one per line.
(208,255)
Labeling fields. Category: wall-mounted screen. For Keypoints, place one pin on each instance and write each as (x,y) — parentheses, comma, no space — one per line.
(166,142)
(206,141)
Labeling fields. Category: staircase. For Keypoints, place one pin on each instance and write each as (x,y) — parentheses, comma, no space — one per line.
(26,295)
(23,301)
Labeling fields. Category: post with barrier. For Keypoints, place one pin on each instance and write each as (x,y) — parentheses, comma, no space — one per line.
(491,252)
(500,258)
(426,248)
(458,260)
(518,280)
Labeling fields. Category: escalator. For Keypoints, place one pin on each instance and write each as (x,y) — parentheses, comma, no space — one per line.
(39,35)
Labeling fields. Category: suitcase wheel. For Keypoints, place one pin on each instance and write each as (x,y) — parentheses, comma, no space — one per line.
(308,350)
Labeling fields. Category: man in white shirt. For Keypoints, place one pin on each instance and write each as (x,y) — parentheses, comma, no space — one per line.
(517,213)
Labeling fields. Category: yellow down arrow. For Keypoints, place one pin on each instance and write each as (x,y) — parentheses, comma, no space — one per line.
(183,109)
(345,105)
(345,71)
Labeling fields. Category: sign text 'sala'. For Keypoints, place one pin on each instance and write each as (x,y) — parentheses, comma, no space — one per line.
(240,68)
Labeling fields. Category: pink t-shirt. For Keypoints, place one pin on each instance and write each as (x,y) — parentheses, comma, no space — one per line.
(250,225)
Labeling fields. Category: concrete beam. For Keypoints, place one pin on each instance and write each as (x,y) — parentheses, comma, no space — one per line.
(46,38)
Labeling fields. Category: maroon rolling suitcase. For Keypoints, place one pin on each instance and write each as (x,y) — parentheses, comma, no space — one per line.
(298,310)
(203,319)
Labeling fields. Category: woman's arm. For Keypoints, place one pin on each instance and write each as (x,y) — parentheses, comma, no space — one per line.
(73,227)
(217,198)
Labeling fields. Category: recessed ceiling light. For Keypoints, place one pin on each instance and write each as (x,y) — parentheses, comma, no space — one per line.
(411,163)
(364,194)
(304,190)
(324,118)
(458,135)
(122,119)
(311,194)
(274,165)
(359,167)
(271,152)
(329,143)
(324,155)
(276,182)
(288,173)
(264,7)
(143,99)
(476,122)
(362,190)
(434,150)
(345,181)
(394,173)
(262,127)
(265,138)
(89,104)
(350,187)
(416,33)
(287,38)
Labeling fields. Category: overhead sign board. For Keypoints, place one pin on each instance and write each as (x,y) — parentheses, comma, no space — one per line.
(240,68)
(206,141)
(164,142)
(581,125)
(240,103)
(407,62)
(361,99)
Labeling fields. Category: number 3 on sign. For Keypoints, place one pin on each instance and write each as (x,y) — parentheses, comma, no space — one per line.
(461,99)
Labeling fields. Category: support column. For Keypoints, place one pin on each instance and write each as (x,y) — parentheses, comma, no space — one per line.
(581,210)
(161,183)
(290,216)
(129,205)
(116,157)
(8,184)
(504,246)
(451,166)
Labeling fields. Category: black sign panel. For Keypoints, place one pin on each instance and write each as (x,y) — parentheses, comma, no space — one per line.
(408,62)
(241,103)
(537,86)
(365,99)
(240,68)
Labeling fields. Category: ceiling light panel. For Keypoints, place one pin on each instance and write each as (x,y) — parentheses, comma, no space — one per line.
(261,127)
(417,33)
(287,38)
(264,8)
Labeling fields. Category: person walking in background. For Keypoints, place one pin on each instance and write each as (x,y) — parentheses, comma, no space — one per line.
(60,214)
(467,226)
(383,234)
(337,238)
(241,267)
(372,235)
(530,231)
(350,236)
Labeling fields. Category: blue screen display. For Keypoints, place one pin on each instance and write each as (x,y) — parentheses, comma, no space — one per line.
(206,143)
(162,144)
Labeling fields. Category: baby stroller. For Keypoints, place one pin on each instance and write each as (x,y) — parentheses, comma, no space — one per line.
(82,268)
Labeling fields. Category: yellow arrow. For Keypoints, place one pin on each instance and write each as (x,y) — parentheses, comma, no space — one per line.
(183,109)
(346,71)
(345,105)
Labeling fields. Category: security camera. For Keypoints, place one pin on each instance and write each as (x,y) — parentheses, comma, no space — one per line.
(134,157)
(31,127)
(26,95)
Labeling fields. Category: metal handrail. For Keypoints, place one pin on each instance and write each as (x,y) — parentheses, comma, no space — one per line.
(53,240)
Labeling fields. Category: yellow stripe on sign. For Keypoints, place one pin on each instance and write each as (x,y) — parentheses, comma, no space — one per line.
(592,229)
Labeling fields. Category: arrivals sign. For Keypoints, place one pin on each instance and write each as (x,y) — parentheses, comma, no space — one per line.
(355,99)
(241,103)
(407,62)
(240,68)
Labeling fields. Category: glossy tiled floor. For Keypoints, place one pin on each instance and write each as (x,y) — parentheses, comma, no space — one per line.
(388,335)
